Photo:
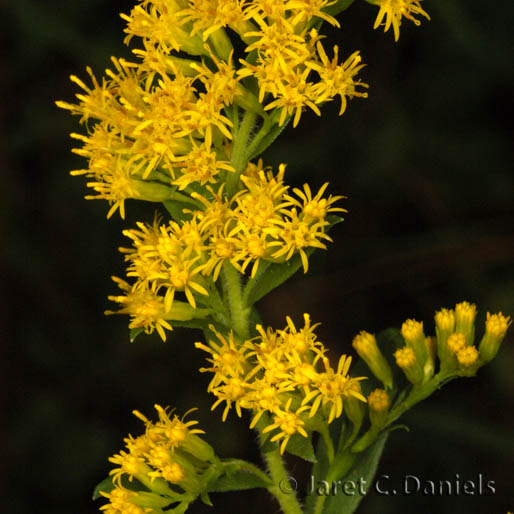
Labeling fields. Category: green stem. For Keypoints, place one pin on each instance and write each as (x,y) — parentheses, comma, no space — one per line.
(281,490)
(239,158)
(248,466)
(239,312)
(338,469)
(325,433)
(417,394)
(263,132)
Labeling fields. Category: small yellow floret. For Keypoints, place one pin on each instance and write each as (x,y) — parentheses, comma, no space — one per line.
(456,342)
(379,400)
(364,342)
(445,319)
(405,357)
(467,356)
(465,312)
(497,324)
(412,330)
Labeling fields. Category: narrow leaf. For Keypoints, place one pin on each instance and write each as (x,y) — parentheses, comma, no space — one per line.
(135,332)
(271,277)
(107,485)
(338,7)
(266,141)
(176,210)
(301,447)
(238,481)
(363,473)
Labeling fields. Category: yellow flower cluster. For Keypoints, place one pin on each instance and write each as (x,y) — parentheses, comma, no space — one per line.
(284,374)
(166,122)
(170,461)
(262,222)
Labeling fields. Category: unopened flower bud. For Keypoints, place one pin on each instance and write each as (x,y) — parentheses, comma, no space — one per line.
(496,326)
(412,332)
(468,360)
(366,346)
(465,314)
(406,359)
(378,402)
(444,327)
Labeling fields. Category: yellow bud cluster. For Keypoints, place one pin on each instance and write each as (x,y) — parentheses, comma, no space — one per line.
(283,376)
(453,345)
(169,459)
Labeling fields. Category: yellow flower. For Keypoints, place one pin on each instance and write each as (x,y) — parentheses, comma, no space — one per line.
(200,165)
(276,371)
(394,10)
(288,423)
(337,79)
(145,308)
(160,24)
(314,208)
(229,359)
(331,387)
(207,16)
(120,502)
(294,235)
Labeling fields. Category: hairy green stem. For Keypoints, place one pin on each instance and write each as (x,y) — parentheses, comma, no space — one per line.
(283,490)
(239,158)
(239,312)
(416,395)
(336,471)
(248,466)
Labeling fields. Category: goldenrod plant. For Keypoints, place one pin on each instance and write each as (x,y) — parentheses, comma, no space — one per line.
(211,85)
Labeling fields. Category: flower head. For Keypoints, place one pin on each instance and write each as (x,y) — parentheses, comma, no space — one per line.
(394,10)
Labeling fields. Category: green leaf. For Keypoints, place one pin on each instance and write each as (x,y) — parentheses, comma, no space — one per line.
(107,485)
(268,139)
(238,479)
(270,276)
(338,7)
(135,332)
(176,210)
(363,473)
(301,447)
(205,499)
(319,470)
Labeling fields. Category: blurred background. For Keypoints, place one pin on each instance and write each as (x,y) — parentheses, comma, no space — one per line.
(426,166)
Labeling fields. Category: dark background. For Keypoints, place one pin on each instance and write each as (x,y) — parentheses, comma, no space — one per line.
(426,166)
